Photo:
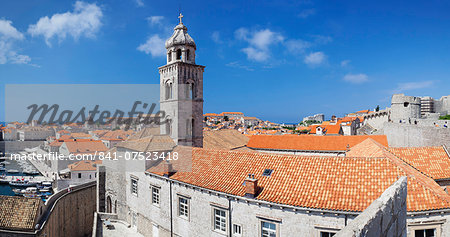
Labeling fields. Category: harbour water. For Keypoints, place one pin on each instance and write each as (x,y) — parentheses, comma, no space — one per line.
(5,188)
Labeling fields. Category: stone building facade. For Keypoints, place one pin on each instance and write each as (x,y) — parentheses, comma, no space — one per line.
(181,93)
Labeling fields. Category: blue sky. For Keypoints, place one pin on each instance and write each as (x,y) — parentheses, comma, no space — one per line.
(277,60)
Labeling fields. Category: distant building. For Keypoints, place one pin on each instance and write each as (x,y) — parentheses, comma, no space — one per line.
(317,117)
(430,105)
(426,105)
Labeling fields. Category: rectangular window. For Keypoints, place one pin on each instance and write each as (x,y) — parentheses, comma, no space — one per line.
(237,230)
(79,175)
(183,207)
(425,233)
(134,186)
(268,229)
(220,220)
(155,195)
(326,234)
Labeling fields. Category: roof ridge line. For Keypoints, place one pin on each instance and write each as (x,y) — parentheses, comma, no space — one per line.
(408,164)
(424,185)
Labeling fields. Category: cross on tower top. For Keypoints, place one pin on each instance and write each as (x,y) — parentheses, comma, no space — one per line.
(180,17)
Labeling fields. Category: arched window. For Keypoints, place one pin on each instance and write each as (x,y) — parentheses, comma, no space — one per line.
(178,54)
(169,127)
(108,205)
(190,127)
(187,55)
(190,91)
(169,56)
(168,90)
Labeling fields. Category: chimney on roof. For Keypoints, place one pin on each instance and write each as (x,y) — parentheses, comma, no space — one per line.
(167,169)
(251,186)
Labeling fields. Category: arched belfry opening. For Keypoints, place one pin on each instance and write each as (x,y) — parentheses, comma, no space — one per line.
(178,54)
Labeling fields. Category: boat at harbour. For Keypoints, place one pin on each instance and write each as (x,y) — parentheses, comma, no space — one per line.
(22,183)
(12,171)
(31,172)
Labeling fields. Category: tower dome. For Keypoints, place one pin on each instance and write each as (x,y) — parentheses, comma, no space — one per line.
(180,36)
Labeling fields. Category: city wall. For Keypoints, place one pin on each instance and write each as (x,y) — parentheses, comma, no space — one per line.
(406,135)
(386,216)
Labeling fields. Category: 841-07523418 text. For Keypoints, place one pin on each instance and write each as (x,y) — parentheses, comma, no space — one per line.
(138,156)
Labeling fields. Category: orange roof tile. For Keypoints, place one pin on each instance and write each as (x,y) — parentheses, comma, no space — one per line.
(65,137)
(86,147)
(19,213)
(84,165)
(332,183)
(311,142)
(79,134)
(431,161)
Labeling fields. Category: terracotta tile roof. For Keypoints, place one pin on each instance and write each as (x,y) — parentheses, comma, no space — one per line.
(224,139)
(333,183)
(65,137)
(211,114)
(150,143)
(84,165)
(328,129)
(63,131)
(80,135)
(431,161)
(311,142)
(19,213)
(85,147)
(363,111)
(148,131)
(231,113)
(419,184)
(250,118)
(56,143)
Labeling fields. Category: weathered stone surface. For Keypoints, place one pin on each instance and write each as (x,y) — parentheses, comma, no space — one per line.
(384,217)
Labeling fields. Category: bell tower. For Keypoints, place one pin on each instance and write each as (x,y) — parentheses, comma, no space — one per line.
(181,90)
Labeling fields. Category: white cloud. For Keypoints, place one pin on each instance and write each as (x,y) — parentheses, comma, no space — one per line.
(356,78)
(345,63)
(7,31)
(297,46)
(259,42)
(238,65)
(215,36)
(9,35)
(315,59)
(85,20)
(241,33)
(256,54)
(263,38)
(306,13)
(153,46)
(155,20)
(139,3)
(413,85)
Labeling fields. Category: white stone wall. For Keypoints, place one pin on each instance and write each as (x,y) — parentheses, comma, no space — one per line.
(404,107)
(386,216)
(405,135)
